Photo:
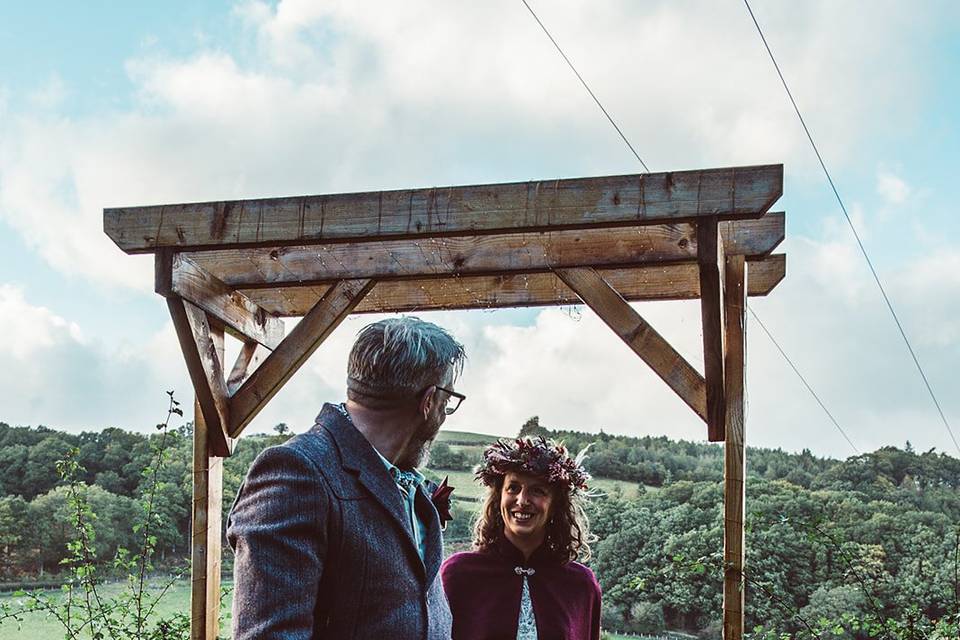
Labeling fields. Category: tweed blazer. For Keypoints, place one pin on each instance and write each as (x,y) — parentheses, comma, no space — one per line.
(324,548)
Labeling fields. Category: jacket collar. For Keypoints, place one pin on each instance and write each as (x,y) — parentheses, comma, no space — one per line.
(359,457)
(513,556)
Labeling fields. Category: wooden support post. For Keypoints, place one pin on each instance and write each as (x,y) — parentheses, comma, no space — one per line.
(710,260)
(205,549)
(734,465)
(639,335)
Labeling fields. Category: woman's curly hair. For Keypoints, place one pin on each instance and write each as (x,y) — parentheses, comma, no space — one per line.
(567,535)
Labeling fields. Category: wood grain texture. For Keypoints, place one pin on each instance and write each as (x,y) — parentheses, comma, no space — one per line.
(473,255)
(250,356)
(639,336)
(299,345)
(417,213)
(201,343)
(242,317)
(642,283)
(206,552)
(734,465)
(710,259)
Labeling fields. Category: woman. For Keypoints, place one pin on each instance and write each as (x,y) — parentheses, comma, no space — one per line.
(522,580)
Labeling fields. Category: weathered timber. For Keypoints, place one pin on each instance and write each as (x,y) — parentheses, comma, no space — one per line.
(489,255)
(650,282)
(639,336)
(240,316)
(734,453)
(299,345)
(710,258)
(411,213)
(202,347)
(205,551)
(250,356)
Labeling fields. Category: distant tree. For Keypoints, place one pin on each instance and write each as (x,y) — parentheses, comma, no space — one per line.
(531,428)
(443,456)
(282,429)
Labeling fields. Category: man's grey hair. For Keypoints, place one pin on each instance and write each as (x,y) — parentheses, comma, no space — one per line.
(393,360)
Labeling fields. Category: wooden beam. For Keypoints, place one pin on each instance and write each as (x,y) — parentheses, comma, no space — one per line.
(303,340)
(240,316)
(639,336)
(249,358)
(202,346)
(734,451)
(475,255)
(710,258)
(417,213)
(650,282)
(205,552)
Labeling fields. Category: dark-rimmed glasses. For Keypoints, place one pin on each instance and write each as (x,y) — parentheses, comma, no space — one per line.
(450,407)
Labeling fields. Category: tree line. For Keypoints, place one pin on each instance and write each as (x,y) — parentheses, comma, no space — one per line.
(835,548)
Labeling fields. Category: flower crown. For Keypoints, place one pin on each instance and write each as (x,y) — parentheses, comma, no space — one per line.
(537,457)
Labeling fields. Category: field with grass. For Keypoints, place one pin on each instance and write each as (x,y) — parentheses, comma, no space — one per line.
(467,489)
(38,626)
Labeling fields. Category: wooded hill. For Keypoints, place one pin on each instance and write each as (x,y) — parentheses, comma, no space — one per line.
(875,536)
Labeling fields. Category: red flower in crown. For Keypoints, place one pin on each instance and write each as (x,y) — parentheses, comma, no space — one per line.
(441,500)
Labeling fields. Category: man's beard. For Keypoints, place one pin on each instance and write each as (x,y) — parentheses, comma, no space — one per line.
(417,453)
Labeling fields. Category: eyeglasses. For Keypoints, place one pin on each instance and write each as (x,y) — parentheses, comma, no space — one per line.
(450,407)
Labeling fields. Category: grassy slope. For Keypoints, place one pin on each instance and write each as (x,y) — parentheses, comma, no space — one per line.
(37,626)
(472,444)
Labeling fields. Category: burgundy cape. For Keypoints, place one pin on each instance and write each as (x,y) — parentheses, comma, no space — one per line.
(484,593)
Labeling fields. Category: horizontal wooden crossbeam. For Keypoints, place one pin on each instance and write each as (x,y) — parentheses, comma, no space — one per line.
(488,255)
(446,211)
(651,282)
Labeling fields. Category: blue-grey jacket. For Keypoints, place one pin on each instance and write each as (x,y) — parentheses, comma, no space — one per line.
(324,548)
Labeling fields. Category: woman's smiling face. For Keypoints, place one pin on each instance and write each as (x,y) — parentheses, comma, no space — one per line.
(525,506)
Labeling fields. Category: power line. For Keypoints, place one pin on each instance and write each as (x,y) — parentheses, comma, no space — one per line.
(630,146)
(856,235)
(802,379)
(585,86)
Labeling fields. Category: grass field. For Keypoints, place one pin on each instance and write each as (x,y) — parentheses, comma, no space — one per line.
(177,599)
(466,487)
(465,437)
(37,626)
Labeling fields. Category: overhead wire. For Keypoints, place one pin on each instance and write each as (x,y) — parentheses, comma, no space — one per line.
(585,85)
(853,228)
(630,146)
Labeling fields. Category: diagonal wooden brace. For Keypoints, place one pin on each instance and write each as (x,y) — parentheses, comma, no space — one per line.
(639,335)
(178,275)
(290,355)
(201,345)
(710,258)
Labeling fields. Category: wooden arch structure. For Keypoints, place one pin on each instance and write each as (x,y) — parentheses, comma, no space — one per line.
(240,266)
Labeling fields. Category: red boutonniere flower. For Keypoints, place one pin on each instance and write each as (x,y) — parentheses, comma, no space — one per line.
(441,500)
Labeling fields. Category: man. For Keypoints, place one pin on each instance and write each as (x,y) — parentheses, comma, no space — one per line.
(334,533)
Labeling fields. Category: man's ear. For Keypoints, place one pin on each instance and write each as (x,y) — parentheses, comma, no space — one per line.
(426,401)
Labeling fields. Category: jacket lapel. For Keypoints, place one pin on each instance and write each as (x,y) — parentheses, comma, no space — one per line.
(359,456)
(433,541)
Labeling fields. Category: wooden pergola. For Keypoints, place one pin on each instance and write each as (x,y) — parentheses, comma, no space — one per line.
(240,266)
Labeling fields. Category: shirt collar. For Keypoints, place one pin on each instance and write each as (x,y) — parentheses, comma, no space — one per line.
(409,478)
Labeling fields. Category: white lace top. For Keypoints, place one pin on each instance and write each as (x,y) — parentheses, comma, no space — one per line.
(527,627)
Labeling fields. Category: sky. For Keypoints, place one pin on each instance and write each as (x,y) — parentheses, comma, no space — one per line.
(112,104)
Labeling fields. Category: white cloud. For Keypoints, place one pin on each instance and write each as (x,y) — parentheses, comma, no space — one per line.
(892,188)
(27,328)
(332,97)
(337,97)
(50,95)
